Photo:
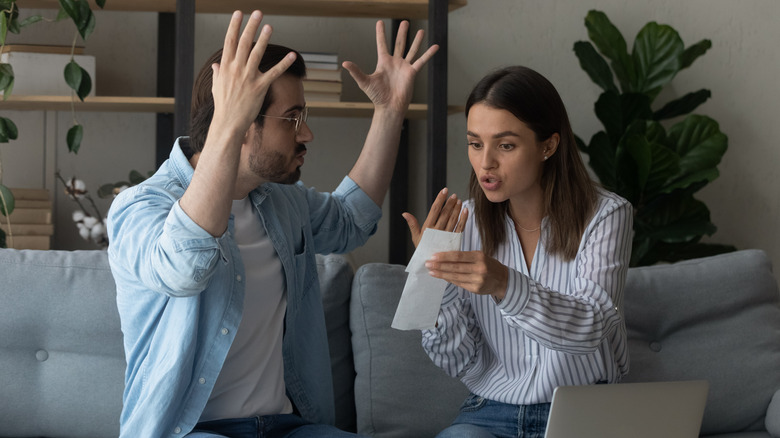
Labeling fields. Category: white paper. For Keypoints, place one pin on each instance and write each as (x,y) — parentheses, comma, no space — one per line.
(420,301)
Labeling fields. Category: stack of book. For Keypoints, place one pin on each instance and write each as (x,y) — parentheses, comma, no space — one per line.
(323,77)
(30,220)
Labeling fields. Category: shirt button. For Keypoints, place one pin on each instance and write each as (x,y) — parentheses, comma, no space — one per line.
(225,331)
(238,278)
(201,380)
(177,430)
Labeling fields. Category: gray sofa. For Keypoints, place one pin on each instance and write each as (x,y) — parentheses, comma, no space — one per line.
(62,364)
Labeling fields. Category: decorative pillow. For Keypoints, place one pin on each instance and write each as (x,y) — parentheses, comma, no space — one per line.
(716,319)
(335,276)
(773,416)
(399,392)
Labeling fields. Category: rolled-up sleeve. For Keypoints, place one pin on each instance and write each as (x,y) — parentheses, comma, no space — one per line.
(154,241)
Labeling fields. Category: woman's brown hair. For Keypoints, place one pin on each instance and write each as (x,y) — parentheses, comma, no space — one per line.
(569,193)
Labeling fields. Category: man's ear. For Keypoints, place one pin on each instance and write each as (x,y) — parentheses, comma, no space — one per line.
(551,145)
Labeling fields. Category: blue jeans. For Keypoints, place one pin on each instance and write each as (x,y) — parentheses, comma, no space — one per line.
(483,418)
(269,426)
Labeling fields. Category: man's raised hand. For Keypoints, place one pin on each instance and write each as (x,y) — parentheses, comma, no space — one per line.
(238,86)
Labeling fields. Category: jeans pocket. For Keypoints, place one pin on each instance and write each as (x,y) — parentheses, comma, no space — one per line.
(473,403)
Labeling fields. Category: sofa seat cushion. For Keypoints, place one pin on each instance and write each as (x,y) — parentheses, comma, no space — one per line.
(399,392)
(717,319)
(61,358)
(335,276)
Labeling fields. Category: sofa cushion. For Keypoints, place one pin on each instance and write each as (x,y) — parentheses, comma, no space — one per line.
(61,358)
(717,319)
(399,392)
(335,275)
(773,416)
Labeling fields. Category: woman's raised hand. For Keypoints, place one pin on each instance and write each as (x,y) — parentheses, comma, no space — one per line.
(446,214)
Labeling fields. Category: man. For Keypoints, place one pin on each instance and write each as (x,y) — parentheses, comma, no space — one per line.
(213,256)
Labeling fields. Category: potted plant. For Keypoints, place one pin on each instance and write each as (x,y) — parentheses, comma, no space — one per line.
(657,167)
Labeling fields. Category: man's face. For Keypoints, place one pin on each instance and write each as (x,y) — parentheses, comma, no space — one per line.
(274,153)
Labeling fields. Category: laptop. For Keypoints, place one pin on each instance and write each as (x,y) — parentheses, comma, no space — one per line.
(634,410)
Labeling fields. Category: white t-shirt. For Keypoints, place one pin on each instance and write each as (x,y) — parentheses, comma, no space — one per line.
(251,382)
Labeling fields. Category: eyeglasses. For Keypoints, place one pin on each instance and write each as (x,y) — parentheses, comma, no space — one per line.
(302,117)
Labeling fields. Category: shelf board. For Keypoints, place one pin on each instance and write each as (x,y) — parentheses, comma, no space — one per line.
(413,9)
(165,105)
(91,103)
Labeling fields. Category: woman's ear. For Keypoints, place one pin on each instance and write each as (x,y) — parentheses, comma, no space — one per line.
(551,145)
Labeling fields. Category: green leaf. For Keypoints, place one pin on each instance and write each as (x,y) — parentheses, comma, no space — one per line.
(696,250)
(679,219)
(611,44)
(699,142)
(73,75)
(6,79)
(78,79)
(89,25)
(683,105)
(601,155)
(72,9)
(8,130)
(617,112)
(136,177)
(594,65)
(62,15)
(30,20)
(3,27)
(693,181)
(75,134)
(656,55)
(6,201)
(81,14)
(86,85)
(691,53)
(101,3)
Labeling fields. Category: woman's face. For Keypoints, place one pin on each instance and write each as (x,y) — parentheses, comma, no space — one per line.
(505,155)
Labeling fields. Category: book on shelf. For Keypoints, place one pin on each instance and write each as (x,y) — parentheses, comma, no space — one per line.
(28,242)
(332,58)
(315,96)
(31,220)
(319,74)
(322,66)
(321,86)
(30,194)
(28,229)
(26,215)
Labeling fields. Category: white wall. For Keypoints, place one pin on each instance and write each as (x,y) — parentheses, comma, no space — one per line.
(740,70)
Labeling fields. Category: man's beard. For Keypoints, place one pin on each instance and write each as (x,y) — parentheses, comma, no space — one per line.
(272,166)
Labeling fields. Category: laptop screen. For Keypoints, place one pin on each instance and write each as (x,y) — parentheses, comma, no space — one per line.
(636,410)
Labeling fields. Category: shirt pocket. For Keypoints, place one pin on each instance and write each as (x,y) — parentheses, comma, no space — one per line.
(305,263)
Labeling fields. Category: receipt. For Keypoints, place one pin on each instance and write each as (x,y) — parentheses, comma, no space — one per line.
(422,294)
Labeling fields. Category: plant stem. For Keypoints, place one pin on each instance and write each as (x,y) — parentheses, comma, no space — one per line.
(57,174)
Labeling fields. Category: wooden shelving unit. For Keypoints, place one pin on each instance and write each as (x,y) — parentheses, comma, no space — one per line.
(166,104)
(412,9)
(172,118)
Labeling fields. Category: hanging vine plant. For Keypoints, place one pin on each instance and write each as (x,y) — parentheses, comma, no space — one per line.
(77,78)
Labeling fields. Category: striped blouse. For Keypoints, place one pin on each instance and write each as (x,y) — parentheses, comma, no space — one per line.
(560,323)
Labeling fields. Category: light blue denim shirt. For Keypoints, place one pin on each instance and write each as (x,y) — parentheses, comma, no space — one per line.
(180,293)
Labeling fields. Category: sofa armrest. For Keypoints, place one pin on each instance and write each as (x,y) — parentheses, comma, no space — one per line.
(773,416)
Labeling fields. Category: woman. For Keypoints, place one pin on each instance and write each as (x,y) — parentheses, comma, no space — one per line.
(535,295)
